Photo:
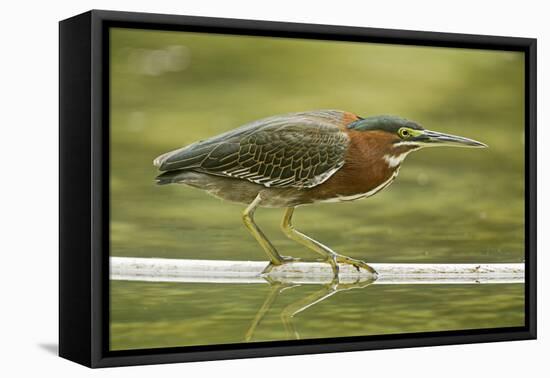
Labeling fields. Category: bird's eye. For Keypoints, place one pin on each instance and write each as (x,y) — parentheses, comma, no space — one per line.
(404,133)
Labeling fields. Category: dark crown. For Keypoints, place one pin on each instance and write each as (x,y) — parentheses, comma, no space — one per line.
(387,123)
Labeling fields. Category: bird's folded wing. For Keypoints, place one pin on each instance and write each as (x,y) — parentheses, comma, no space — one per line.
(297,151)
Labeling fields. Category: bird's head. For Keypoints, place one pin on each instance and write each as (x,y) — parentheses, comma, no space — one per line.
(401,136)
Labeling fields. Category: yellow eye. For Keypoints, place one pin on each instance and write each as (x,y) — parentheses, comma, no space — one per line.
(404,133)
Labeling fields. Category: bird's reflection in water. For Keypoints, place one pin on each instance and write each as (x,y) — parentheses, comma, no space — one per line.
(278,287)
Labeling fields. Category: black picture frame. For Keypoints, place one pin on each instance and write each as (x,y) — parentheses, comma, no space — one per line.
(84,187)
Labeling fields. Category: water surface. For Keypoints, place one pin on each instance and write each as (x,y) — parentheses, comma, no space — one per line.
(153,315)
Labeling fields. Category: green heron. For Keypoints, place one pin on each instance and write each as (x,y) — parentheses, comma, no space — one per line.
(297,159)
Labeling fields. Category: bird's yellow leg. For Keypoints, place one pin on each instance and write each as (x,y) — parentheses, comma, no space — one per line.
(330,256)
(275,259)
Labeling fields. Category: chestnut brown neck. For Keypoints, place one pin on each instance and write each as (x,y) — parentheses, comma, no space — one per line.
(369,152)
(367,165)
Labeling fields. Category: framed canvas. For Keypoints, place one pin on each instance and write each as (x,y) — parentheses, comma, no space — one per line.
(225,188)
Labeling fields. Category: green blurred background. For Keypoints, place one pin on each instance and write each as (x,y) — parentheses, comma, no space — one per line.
(169,89)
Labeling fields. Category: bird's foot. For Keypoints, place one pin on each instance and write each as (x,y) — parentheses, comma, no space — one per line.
(284,260)
(332,260)
(336,259)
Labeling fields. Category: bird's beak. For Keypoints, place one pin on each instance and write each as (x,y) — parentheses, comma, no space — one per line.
(433,139)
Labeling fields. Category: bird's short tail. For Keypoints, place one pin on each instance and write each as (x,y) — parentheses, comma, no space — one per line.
(163,180)
(180,176)
(170,177)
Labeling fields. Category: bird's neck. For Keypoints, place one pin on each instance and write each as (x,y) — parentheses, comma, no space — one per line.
(375,160)
(397,155)
(369,168)
(376,149)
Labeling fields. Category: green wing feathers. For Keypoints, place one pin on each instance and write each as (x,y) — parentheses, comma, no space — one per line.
(298,150)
